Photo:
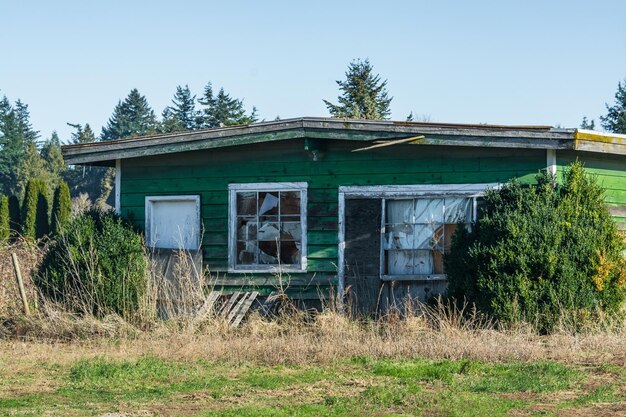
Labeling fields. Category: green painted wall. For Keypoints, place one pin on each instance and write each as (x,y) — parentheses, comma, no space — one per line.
(208,174)
(611,174)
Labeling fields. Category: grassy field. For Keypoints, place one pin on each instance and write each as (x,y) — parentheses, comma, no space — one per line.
(113,378)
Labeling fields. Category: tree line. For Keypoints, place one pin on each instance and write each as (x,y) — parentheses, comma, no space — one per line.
(363,94)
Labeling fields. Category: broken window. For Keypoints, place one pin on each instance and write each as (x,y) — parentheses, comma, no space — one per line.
(268,226)
(418,233)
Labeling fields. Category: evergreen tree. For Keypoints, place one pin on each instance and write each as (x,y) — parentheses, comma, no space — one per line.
(5,229)
(61,208)
(182,114)
(42,220)
(588,124)
(131,117)
(363,94)
(12,148)
(29,208)
(53,163)
(15,215)
(223,110)
(615,120)
(82,135)
(84,179)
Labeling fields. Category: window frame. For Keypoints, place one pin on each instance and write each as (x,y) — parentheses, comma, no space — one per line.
(476,190)
(233,189)
(149,221)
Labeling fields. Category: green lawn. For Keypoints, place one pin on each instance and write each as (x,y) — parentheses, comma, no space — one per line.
(359,386)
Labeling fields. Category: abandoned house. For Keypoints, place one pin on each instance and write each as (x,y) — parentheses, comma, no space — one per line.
(320,206)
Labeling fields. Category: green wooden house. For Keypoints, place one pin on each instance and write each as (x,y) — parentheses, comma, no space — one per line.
(317,206)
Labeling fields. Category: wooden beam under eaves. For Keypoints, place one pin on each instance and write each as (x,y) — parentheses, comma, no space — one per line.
(382,144)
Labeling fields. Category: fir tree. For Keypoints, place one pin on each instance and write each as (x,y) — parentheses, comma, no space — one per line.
(182,114)
(615,120)
(61,208)
(588,124)
(82,135)
(5,229)
(363,94)
(223,110)
(53,160)
(131,117)
(12,148)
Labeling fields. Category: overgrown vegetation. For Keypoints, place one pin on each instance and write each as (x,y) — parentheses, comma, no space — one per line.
(5,228)
(96,266)
(542,254)
(61,208)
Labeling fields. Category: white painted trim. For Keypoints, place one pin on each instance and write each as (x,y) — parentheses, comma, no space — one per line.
(551,161)
(420,190)
(302,187)
(149,218)
(118,186)
(268,186)
(341,247)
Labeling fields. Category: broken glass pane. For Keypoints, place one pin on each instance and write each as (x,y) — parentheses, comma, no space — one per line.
(268,231)
(246,253)
(289,253)
(291,231)
(246,203)
(290,202)
(268,203)
(246,228)
(268,252)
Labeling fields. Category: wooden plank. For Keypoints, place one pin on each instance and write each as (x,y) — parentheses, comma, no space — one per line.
(225,309)
(389,143)
(237,308)
(244,309)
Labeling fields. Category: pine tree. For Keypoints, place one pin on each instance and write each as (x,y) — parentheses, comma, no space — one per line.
(615,120)
(588,124)
(182,115)
(223,110)
(363,94)
(131,117)
(5,229)
(12,148)
(61,208)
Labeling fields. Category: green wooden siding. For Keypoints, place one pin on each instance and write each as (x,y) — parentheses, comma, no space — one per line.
(611,173)
(209,172)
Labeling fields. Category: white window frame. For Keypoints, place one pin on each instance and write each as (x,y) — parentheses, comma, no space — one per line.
(233,189)
(149,217)
(383,192)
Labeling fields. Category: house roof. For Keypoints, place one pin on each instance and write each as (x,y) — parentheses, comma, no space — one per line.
(444,134)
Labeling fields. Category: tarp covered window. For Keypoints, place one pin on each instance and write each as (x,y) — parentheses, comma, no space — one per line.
(268,227)
(418,233)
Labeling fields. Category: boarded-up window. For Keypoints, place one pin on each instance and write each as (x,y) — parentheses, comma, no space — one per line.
(418,233)
(268,226)
(173,222)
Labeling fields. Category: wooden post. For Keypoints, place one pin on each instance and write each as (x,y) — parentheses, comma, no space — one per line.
(20,283)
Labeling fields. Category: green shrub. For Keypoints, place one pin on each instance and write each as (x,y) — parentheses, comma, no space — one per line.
(5,230)
(541,254)
(61,208)
(15,215)
(97,265)
(35,209)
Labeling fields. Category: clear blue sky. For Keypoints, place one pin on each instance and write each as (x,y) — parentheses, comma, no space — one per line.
(510,62)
